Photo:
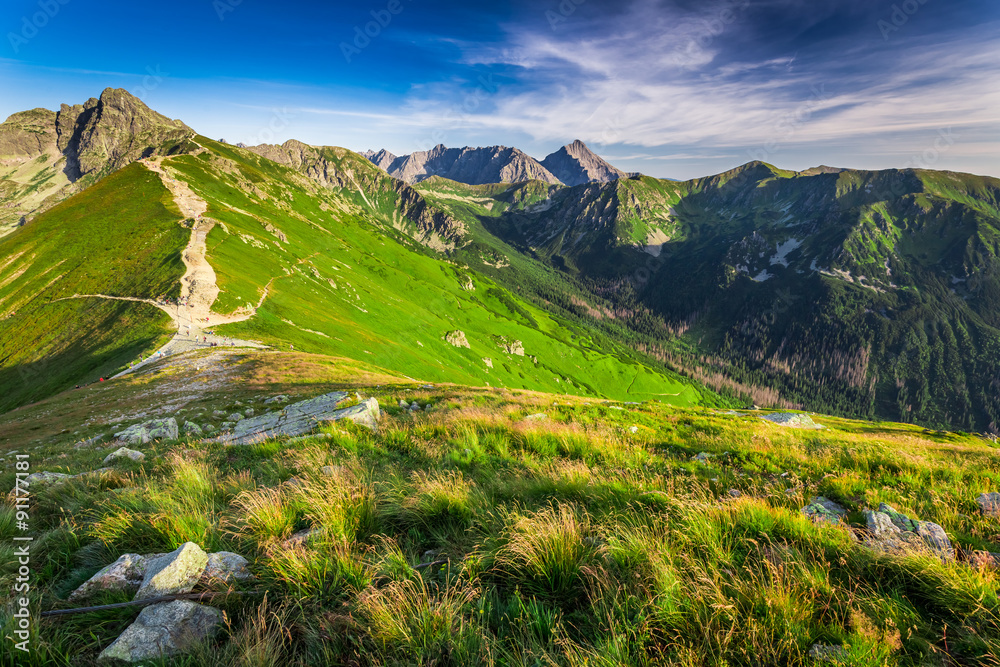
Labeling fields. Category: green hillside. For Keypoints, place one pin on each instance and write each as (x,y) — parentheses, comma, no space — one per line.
(859,293)
(120,237)
(358,267)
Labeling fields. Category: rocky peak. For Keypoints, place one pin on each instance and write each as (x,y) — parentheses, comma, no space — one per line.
(473,166)
(381,159)
(575,164)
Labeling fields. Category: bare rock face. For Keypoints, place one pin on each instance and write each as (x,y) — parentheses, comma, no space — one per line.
(163,630)
(302,417)
(575,164)
(176,572)
(474,166)
(381,159)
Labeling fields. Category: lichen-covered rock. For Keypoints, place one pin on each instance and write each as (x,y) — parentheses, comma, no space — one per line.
(824,510)
(176,572)
(457,339)
(125,574)
(226,567)
(45,478)
(895,532)
(234,418)
(828,653)
(124,453)
(793,420)
(280,398)
(163,630)
(193,430)
(989,504)
(156,429)
(302,417)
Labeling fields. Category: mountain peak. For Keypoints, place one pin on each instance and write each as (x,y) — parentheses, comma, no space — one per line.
(575,164)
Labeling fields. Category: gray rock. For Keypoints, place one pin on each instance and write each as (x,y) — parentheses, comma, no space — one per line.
(46,478)
(300,538)
(234,418)
(218,414)
(163,630)
(125,574)
(248,412)
(176,572)
(403,404)
(157,429)
(702,457)
(457,339)
(124,453)
(989,504)
(793,420)
(209,429)
(192,429)
(823,510)
(226,567)
(226,426)
(536,417)
(302,417)
(828,653)
(895,532)
(514,347)
(281,398)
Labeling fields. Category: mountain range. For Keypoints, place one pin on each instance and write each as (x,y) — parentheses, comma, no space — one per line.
(573,164)
(862,293)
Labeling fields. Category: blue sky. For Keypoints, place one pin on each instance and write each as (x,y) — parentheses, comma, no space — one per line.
(672,88)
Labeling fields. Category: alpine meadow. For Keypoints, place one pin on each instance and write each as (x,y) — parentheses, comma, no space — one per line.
(341,390)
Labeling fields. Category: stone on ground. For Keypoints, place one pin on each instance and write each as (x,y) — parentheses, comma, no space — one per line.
(895,532)
(793,420)
(457,339)
(989,504)
(124,453)
(125,574)
(176,572)
(192,429)
(823,510)
(156,429)
(226,567)
(45,478)
(163,630)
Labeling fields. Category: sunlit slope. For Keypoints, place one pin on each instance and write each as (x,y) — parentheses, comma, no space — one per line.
(343,275)
(121,237)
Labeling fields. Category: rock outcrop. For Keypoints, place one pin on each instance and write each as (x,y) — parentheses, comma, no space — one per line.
(302,417)
(381,159)
(163,630)
(474,166)
(897,533)
(456,338)
(156,429)
(575,164)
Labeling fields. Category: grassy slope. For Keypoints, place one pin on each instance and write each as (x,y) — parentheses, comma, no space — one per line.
(571,541)
(347,283)
(120,238)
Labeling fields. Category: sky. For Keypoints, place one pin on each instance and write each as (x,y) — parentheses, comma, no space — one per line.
(670,88)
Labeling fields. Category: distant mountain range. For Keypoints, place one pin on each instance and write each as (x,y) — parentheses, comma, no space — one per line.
(863,293)
(573,164)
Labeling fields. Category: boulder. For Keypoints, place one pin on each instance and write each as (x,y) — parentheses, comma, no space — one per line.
(176,572)
(234,418)
(281,398)
(192,429)
(156,429)
(895,532)
(226,567)
(124,453)
(536,417)
(163,630)
(403,404)
(514,347)
(457,339)
(822,510)
(45,478)
(989,504)
(985,560)
(125,574)
(793,420)
(218,414)
(248,412)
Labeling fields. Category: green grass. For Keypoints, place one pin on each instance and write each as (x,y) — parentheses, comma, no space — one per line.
(118,238)
(589,537)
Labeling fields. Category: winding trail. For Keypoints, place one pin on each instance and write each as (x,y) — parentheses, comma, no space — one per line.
(199,290)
